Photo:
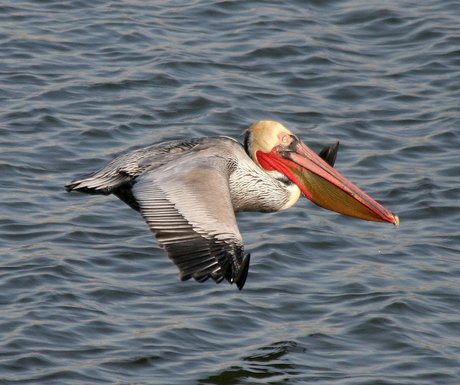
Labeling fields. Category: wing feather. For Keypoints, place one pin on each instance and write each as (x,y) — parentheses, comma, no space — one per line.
(182,190)
(189,209)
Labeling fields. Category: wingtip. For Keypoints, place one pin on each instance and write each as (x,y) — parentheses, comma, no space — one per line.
(329,153)
(242,273)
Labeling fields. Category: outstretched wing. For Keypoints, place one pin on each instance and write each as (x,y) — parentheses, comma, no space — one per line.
(188,207)
(118,175)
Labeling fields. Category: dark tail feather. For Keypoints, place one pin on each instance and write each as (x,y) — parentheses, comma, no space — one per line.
(98,183)
(117,184)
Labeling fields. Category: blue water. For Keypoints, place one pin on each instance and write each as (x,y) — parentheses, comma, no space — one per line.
(86,294)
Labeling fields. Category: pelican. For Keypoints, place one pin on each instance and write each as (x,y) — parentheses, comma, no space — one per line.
(188,192)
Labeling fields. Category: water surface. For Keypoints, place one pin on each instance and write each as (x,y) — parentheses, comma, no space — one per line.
(86,294)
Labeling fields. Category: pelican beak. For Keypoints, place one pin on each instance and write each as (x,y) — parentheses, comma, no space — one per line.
(323,184)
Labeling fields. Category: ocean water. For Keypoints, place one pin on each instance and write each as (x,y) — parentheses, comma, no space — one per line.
(86,294)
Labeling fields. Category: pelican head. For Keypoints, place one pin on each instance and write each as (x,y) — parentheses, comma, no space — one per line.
(277,150)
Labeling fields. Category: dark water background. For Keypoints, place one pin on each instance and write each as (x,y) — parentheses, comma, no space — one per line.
(86,294)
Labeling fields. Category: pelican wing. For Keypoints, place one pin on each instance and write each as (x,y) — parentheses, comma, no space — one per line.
(329,153)
(188,207)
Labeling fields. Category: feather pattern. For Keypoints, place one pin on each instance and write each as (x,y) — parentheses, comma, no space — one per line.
(188,193)
(167,183)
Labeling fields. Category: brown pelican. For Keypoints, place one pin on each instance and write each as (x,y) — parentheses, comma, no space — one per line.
(188,192)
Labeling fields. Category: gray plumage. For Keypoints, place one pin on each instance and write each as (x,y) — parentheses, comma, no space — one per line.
(188,193)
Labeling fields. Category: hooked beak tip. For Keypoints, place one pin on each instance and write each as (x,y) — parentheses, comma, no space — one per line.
(396,222)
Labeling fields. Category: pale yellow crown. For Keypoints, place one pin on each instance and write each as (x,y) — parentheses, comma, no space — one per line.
(266,134)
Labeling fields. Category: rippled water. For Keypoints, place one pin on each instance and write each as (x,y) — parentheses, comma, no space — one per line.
(86,294)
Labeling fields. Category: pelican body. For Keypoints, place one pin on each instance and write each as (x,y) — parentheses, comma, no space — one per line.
(188,192)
